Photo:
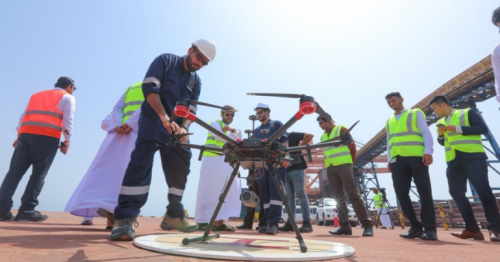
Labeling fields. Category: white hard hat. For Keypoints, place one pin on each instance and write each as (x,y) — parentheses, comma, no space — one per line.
(262,105)
(207,48)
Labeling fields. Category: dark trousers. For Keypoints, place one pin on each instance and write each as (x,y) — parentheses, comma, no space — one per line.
(476,170)
(31,149)
(273,204)
(152,137)
(341,178)
(403,170)
(248,219)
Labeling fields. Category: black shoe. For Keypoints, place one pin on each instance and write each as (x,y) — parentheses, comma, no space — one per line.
(34,216)
(287,227)
(306,227)
(272,229)
(342,231)
(7,216)
(368,232)
(429,235)
(244,226)
(262,229)
(412,233)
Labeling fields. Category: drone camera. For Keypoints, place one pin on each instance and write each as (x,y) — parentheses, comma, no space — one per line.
(249,198)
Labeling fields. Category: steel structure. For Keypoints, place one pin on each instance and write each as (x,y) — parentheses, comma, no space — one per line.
(476,84)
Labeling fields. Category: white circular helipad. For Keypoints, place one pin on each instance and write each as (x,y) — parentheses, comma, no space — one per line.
(245,247)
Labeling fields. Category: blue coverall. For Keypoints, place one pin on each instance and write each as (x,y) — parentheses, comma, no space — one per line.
(166,76)
(268,191)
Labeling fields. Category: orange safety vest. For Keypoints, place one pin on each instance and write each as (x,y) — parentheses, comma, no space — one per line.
(42,115)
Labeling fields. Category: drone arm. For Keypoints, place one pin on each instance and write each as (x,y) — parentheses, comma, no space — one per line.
(216,132)
(282,129)
(320,145)
(201,147)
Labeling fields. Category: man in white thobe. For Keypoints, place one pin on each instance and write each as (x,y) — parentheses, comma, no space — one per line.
(100,186)
(385,220)
(214,175)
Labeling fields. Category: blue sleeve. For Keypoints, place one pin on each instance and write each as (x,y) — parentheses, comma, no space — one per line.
(284,136)
(196,94)
(154,76)
(477,125)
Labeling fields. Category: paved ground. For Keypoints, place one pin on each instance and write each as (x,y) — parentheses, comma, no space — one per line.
(62,238)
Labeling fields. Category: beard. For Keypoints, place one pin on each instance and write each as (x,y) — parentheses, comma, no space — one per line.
(189,64)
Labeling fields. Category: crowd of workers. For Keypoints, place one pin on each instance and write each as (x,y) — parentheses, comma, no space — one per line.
(117,182)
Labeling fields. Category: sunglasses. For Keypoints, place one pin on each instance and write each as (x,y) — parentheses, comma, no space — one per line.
(260,112)
(201,59)
(320,123)
(229,114)
(74,88)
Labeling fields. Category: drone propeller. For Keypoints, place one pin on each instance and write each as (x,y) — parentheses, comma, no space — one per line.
(339,137)
(276,94)
(319,109)
(205,104)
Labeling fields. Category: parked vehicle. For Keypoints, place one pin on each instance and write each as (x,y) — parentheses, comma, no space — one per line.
(326,211)
(298,214)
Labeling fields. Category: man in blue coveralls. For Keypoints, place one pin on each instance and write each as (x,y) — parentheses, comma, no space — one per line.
(268,191)
(170,78)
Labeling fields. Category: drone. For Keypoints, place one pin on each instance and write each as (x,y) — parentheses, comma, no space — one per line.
(255,153)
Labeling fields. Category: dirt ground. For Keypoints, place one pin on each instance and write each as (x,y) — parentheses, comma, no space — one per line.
(62,238)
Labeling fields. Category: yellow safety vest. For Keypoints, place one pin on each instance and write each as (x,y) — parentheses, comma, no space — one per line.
(211,141)
(336,156)
(455,141)
(405,139)
(378,200)
(133,100)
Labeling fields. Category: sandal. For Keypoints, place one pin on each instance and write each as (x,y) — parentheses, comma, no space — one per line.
(225,227)
(203,226)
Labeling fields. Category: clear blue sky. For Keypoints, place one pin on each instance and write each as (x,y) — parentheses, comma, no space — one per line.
(347,54)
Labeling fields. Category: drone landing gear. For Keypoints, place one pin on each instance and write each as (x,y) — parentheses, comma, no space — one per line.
(207,236)
(279,186)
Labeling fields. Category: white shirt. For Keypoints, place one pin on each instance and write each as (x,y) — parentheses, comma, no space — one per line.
(67,106)
(424,129)
(495,60)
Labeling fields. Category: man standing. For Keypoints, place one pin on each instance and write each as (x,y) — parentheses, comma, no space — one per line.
(268,191)
(97,193)
(460,133)
(49,114)
(214,176)
(381,208)
(170,78)
(495,55)
(338,163)
(409,152)
(294,184)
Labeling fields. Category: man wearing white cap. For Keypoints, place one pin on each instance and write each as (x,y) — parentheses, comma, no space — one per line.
(268,191)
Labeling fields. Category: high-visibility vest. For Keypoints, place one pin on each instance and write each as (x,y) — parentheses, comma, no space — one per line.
(455,141)
(211,141)
(133,100)
(42,115)
(405,139)
(378,200)
(336,155)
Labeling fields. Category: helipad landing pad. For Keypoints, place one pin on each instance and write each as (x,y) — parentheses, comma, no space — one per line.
(245,247)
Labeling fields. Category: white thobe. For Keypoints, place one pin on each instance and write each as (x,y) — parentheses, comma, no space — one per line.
(101,184)
(214,174)
(385,220)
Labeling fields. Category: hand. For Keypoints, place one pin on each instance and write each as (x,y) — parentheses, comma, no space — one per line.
(64,149)
(441,130)
(227,128)
(169,126)
(389,167)
(15,143)
(125,129)
(118,130)
(183,139)
(427,159)
(285,164)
